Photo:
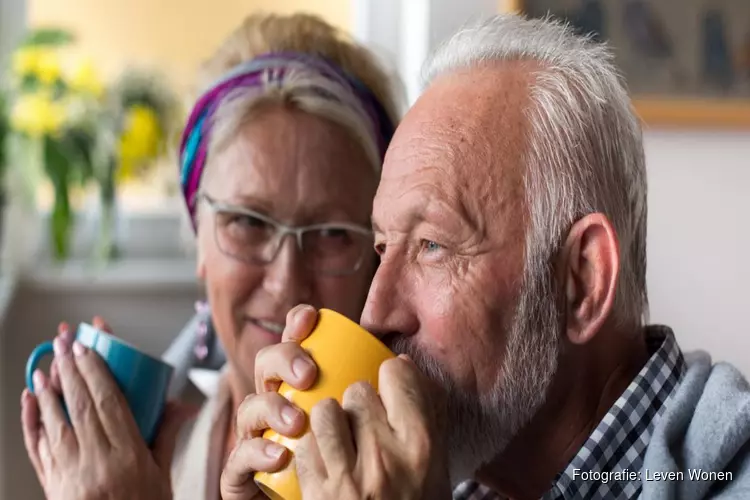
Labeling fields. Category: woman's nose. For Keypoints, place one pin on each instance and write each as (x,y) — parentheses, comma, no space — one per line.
(286,276)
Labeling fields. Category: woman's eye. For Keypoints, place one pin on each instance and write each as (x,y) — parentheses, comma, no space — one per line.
(249,221)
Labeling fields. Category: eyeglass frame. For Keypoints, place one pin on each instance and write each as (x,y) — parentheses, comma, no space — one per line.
(281,231)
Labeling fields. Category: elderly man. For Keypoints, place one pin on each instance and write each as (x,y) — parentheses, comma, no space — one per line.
(511,226)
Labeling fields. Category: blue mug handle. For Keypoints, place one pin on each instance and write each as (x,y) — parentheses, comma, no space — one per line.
(35,357)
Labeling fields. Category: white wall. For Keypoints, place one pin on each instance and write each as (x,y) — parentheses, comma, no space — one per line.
(12,22)
(699,239)
(699,198)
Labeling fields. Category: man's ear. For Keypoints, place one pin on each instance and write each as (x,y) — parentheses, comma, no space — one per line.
(591,265)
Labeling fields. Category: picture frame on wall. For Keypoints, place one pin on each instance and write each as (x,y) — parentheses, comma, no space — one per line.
(686,62)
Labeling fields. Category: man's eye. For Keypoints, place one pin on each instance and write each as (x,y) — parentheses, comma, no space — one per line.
(430,246)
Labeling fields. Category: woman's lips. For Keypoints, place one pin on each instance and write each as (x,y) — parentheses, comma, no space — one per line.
(270,326)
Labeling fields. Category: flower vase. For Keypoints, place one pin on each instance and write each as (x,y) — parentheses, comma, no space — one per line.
(106,244)
(58,168)
(61,222)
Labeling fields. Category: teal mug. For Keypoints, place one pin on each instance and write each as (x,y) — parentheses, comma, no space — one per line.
(143,379)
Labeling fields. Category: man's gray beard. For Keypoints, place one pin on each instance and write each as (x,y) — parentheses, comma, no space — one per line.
(479,427)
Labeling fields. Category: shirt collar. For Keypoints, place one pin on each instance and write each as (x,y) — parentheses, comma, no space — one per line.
(619,442)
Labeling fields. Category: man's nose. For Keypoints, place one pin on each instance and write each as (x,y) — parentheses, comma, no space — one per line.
(286,276)
(389,306)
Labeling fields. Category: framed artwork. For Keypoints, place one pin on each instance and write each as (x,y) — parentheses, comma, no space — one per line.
(686,62)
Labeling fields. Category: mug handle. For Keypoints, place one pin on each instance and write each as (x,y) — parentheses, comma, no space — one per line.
(35,357)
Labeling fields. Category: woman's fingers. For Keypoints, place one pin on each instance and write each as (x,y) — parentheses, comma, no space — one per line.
(67,336)
(249,456)
(54,377)
(99,323)
(61,438)
(31,427)
(285,362)
(45,456)
(65,333)
(268,410)
(80,405)
(106,401)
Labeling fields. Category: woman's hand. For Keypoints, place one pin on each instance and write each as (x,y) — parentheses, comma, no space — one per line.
(284,362)
(100,453)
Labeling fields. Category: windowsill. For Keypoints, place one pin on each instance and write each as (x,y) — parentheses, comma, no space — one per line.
(119,275)
(156,234)
(155,247)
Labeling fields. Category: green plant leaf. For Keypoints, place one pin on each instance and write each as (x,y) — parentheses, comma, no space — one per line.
(57,162)
(80,144)
(29,83)
(57,165)
(49,37)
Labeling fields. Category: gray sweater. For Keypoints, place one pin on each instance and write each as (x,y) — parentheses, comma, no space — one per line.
(705,430)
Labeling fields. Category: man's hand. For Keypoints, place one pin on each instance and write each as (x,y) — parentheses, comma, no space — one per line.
(267,408)
(372,447)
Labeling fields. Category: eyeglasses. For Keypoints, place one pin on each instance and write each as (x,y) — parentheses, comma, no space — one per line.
(248,236)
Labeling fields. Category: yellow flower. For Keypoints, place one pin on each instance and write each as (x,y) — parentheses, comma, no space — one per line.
(48,68)
(37,114)
(41,62)
(140,140)
(84,78)
(25,61)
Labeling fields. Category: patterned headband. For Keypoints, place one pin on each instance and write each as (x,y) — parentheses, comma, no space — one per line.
(273,67)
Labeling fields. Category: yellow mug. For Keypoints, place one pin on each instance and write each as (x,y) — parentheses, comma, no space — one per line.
(345,353)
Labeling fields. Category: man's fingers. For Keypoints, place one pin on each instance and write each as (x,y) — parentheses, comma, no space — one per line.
(31,426)
(311,470)
(330,425)
(111,410)
(369,424)
(52,417)
(300,321)
(248,457)
(285,362)
(404,393)
(269,410)
(175,416)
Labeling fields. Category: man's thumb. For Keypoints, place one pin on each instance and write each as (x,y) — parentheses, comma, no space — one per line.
(175,415)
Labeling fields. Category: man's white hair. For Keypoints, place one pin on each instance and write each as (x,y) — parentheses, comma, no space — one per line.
(585,150)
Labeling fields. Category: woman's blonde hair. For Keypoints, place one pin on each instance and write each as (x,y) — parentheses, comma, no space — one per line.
(261,34)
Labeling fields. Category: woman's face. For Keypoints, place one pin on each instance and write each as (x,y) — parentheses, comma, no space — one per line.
(298,170)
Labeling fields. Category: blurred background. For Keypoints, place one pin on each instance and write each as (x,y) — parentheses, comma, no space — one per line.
(92,98)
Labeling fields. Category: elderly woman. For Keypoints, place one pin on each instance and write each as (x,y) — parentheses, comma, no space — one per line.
(280,162)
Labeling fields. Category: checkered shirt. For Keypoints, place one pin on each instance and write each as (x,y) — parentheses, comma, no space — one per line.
(619,442)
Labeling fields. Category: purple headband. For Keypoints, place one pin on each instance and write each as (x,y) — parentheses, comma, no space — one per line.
(273,67)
